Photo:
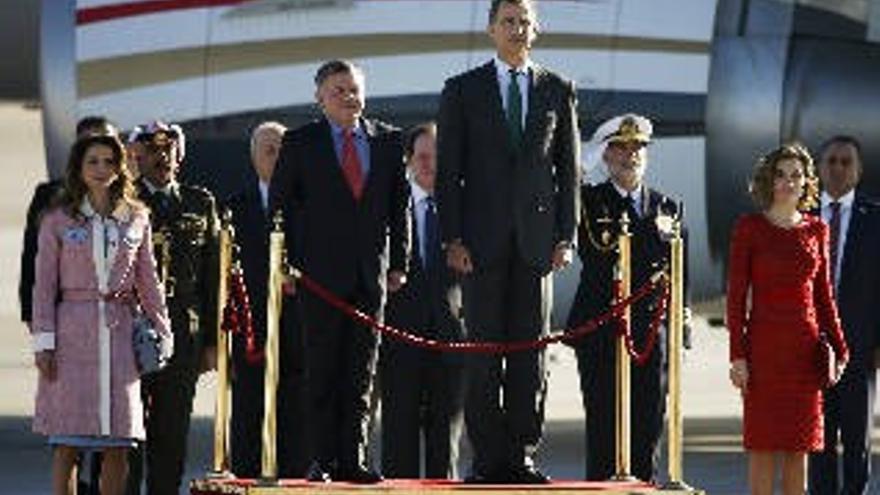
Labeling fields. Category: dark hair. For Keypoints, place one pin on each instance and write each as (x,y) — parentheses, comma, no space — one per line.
(337,66)
(413,134)
(841,139)
(96,124)
(761,184)
(496,4)
(122,190)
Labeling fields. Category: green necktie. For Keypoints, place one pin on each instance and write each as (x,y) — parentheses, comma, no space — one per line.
(514,109)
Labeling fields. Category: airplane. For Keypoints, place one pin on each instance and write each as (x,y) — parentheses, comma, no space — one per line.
(723,80)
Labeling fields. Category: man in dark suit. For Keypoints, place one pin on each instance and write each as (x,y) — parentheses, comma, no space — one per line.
(252,224)
(507,192)
(184,219)
(622,141)
(422,390)
(854,222)
(341,185)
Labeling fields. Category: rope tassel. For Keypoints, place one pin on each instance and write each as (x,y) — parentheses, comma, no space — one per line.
(238,318)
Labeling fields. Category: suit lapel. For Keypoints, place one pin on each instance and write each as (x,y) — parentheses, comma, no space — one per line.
(648,206)
(536,104)
(418,263)
(325,146)
(370,130)
(853,234)
(491,88)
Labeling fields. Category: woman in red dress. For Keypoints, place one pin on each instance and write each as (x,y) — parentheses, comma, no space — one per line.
(779,263)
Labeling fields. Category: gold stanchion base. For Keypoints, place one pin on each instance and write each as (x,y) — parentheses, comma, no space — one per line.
(424,487)
(623,478)
(268,482)
(677,486)
(220,475)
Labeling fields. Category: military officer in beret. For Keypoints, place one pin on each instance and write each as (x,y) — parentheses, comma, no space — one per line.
(185,234)
(622,144)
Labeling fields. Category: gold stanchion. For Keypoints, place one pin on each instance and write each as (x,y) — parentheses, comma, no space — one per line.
(269,470)
(676,335)
(162,248)
(221,406)
(622,372)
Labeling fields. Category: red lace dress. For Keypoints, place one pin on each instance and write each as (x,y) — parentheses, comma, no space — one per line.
(791,299)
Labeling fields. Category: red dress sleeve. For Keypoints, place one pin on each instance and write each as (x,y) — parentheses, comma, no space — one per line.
(826,308)
(738,284)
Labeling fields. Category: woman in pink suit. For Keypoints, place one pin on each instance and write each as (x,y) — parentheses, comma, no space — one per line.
(94,262)
(779,299)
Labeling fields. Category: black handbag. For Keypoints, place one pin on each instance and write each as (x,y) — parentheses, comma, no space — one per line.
(152,350)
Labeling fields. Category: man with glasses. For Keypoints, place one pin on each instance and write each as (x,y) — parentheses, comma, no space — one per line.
(507,195)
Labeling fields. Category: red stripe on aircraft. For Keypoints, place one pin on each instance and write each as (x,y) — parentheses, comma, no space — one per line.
(89,15)
(109,12)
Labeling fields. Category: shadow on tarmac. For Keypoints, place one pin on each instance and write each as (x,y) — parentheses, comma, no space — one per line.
(713,458)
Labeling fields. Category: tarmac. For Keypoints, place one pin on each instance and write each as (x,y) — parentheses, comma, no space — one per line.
(714,460)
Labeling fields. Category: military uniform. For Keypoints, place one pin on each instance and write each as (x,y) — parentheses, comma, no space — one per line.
(651,216)
(597,234)
(186,218)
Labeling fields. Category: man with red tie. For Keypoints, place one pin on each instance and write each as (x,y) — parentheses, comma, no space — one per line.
(853,220)
(341,185)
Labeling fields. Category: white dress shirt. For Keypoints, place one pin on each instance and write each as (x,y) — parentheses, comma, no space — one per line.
(846,205)
(503,72)
(635,194)
(264,194)
(420,205)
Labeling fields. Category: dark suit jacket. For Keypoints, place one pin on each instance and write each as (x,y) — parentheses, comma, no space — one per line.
(650,252)
(336,240)
(42,198)
(486,191)
(430,304)
(858,295)
(252,227)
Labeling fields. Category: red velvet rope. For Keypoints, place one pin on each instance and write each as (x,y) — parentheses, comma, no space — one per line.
(237,316)
(642,357)
(616,311)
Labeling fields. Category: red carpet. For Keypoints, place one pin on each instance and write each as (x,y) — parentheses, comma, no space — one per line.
(437,487)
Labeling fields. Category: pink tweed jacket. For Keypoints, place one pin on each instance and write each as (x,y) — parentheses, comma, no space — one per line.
(80,260)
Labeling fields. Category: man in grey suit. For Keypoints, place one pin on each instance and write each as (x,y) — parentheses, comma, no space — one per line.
(854,223)
(507,196)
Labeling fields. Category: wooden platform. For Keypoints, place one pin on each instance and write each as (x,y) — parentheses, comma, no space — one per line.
(423,487)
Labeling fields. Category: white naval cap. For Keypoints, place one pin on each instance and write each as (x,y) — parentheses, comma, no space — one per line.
(159,131)
(629,127)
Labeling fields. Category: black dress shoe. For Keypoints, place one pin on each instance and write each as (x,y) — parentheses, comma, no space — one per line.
(358,474)
(527,475)
(319,473)
(489,477)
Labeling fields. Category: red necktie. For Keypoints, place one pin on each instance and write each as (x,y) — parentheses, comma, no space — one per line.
(351,165)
